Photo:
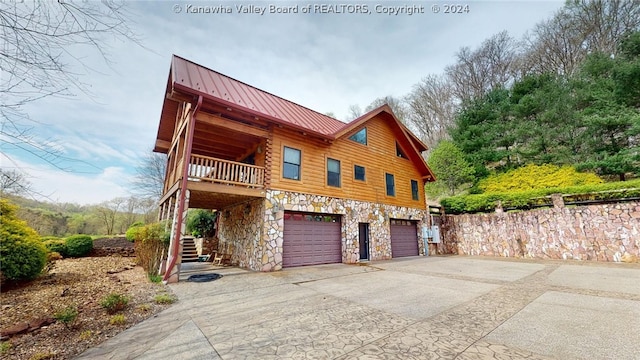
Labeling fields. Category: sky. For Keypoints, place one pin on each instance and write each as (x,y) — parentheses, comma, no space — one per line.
(324,61)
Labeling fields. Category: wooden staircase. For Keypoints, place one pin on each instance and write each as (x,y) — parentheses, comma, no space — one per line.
(189,251)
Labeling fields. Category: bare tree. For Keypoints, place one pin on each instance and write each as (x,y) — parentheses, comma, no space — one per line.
(397,105)
(13,182)
(37,61)
(149,179)
(432,108)
(108,212)
(554,45)
(490,65)
(354,112)
(130,213)
(560,44)
(603,23)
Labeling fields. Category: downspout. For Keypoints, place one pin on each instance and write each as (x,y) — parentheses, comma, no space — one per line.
(183,189)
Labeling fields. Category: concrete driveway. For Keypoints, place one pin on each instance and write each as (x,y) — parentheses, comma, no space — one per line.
(412,308)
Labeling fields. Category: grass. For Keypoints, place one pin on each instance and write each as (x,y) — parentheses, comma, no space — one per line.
(154,278)
(164,299)
(86,335)
(114,302)
(42,356)
(4,347)
(117,320)
(67,315)
(144,307)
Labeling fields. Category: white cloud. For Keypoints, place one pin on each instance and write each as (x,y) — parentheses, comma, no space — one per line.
(61,186)
(325,62)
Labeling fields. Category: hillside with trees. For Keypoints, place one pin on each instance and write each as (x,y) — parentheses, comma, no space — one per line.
(566,94)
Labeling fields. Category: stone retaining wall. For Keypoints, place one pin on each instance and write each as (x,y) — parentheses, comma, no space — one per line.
(608,232)
(102,252)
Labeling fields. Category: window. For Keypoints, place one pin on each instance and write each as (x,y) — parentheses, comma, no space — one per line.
(391,185)
(358,172)
(360,136)
(399,152)
(291,166)
(333,172)
(414,190)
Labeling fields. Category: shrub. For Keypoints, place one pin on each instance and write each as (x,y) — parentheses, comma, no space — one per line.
(22,255)
(201,223)
(132,231)
(527,199)
(49,238)
(78,245)
(164,299)
(533,177)
(114,302)
(67,315)
(150,244)
(56,245)
(117,320)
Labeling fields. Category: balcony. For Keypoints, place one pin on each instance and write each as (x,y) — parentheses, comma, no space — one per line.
(203,168)
(217,183)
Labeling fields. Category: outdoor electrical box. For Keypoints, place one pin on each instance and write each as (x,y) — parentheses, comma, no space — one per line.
(435,234)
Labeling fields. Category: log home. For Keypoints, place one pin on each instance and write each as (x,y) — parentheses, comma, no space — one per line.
(291,186)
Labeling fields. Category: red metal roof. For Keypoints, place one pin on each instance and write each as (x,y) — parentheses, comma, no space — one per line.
(221,88)
(193,79)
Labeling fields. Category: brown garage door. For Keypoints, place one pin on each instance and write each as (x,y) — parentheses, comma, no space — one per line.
(404,238)
(311,239)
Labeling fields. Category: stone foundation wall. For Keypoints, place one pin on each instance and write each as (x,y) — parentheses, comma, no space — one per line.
(239,233)
(253,233)
(596,232)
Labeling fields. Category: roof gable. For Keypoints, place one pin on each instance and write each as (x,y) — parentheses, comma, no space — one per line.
(410,144)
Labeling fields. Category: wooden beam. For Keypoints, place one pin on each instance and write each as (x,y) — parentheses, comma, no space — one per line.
(175,96)
(162,145)
(225,189)
(170,192)
(218,121)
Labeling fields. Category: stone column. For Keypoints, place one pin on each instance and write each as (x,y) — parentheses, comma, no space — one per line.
(558,201)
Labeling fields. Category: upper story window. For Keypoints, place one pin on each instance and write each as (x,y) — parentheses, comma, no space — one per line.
(360,136)
(333,172)
(415,195)
(291,164)
(391,184)
(399,151)
(358,172)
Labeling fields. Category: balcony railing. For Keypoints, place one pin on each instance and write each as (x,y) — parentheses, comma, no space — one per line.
(203,168)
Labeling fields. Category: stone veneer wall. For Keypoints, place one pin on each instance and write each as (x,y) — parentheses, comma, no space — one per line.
(253,233)
(595,232)
(239,233)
